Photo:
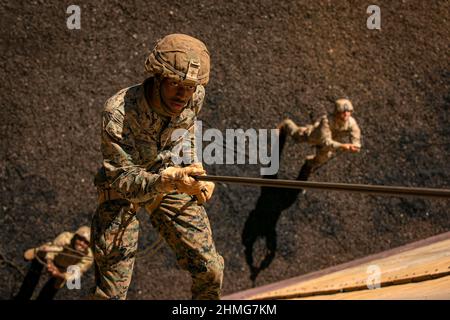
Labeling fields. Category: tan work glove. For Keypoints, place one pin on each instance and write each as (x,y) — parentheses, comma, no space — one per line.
(181,179)
(349,147)
(207,189)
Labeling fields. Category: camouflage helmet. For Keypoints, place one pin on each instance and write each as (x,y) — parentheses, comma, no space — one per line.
(180,57)
(342,105)
(84,232)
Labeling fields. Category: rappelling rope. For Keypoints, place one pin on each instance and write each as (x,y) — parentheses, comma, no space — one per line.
(148,252)
(59,252)
(279,183)
(153,249)
(346,187)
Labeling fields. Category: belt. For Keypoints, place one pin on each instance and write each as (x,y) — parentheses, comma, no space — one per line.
(108,195)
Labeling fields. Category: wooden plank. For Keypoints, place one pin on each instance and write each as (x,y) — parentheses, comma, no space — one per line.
(249,293)
(417,264)
(437,289)
(431,259)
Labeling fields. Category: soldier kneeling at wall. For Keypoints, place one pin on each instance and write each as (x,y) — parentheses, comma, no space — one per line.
(328,135)
(68,249)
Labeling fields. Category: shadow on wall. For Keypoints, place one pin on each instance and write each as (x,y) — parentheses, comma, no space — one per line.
(262,221)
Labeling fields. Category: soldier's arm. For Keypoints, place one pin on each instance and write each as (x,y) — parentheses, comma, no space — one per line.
(60,241)
(355,135)
(119,156)
(326,136)
(54,271)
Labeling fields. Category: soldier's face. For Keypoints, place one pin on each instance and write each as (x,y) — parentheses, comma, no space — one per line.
(81,244)
(344,116)
(176,94)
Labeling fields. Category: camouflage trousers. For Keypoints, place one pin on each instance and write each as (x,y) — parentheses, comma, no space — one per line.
(301,134)
(180,221)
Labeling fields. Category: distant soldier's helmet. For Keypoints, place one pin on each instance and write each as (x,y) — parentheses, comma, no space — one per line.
(343,105)
(84,232)
(180,57)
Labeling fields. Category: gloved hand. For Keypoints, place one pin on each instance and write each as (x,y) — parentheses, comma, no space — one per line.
(181,179)
(349,147)
(206,191)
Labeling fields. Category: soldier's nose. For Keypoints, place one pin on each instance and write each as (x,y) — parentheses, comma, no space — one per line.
(181,92)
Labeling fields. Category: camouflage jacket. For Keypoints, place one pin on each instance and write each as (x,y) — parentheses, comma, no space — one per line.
(136,142)
(63,244)
(330,133)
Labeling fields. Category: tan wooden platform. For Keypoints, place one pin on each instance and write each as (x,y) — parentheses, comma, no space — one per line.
(436,289)
(420,270)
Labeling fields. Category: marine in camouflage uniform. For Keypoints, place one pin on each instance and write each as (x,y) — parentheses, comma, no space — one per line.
(138,171)
(328,134)
(68,249)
